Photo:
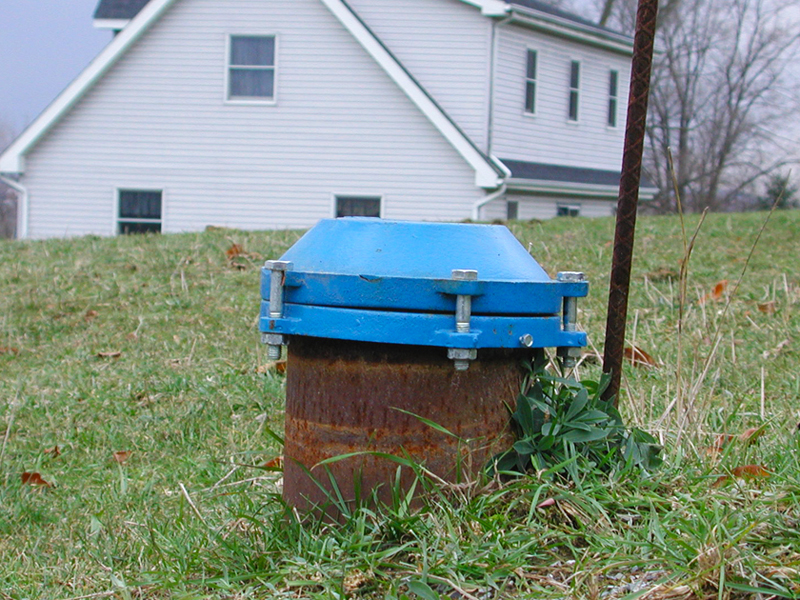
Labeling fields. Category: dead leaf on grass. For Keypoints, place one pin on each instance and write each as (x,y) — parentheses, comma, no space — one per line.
(638,357)
(234,251)
(278,366)
(110,354)
(122,457)
(34,479)
(768,308)
(748,436)
(90,314)
(54,452)
(9,350)
(276,464)
(748,472)
(717,293)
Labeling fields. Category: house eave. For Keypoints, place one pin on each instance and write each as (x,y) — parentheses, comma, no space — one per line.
(570,30)
(112,24)
(490,8)
(562,188)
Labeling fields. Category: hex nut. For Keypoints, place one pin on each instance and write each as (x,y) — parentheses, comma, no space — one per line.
(464,274)
(278,265)
(570,276)
(462,353)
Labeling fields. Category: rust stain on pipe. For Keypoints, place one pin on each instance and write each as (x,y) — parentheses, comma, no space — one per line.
(344,397)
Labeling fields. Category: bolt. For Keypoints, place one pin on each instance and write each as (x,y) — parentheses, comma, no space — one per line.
(277,280)
(461,357)
(570,313)
(569,357)
(526,340)
(463,301)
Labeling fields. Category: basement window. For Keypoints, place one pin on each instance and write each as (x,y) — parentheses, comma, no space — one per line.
(512,210)
(139,211)
(568,210)
(358,206)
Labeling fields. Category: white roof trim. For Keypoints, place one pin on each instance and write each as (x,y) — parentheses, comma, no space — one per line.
(486,173)
(115,24)
(490,8)
(587,190)
(565,28)
(13,159)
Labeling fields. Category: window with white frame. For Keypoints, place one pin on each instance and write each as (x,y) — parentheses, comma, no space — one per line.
(251,68)
(574,89)
(358,206)
(530,82)
(139,211)
(613,84)
(568,210)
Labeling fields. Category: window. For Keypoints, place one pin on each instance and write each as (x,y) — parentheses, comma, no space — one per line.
(574,87)
(568,210)
(358,206)
(530,83)
(139,211)
(512,210)
(251,68)
(613,80)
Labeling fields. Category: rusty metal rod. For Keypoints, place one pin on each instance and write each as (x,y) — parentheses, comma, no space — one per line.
(641,66)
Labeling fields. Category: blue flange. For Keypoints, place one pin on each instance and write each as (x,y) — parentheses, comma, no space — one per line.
(402,282)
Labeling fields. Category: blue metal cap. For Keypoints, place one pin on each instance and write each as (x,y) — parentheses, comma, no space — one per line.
(392,282)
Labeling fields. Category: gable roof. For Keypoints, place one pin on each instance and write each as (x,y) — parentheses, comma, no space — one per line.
(488,172)
(127,9)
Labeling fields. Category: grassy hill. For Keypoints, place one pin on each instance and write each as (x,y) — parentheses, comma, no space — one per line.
(130,382)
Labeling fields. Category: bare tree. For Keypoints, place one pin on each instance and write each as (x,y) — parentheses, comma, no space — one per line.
(717,91)
(720,90)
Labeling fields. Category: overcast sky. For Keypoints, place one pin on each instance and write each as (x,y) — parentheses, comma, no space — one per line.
(44,45)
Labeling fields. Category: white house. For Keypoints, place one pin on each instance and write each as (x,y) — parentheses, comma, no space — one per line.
(273,114)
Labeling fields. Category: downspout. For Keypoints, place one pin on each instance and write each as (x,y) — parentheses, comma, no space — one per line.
(492,67)
(476,208)
(22,205)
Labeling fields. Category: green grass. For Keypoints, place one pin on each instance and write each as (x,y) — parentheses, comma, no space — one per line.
(191,515)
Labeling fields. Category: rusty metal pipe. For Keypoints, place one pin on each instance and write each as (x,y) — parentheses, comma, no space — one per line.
(619,286)
(345,397)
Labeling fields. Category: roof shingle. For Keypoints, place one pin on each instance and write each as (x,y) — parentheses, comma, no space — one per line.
(119,9)
(127,9)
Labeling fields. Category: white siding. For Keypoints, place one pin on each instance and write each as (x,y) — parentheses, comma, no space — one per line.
(548,137)
(533,206)
(158,120)
(446,45)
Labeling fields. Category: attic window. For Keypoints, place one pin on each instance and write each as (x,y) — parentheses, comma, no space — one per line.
(139,211)
(251,68)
